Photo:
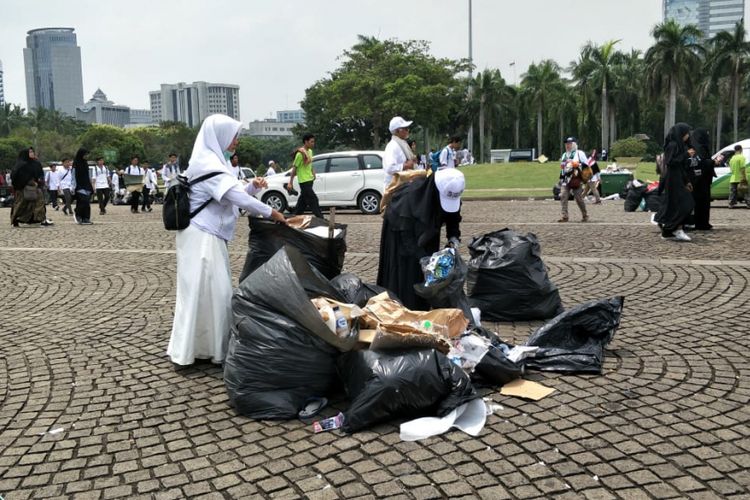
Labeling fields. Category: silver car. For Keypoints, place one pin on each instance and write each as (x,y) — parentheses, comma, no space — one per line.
(346,179)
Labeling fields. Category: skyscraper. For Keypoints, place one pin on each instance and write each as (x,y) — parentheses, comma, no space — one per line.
(711,16)
(2,89)
(191,103)
(52,59)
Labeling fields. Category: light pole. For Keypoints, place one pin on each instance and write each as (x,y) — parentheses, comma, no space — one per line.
(470,135)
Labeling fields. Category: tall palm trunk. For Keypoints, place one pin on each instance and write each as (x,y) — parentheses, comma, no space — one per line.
(562,134)
(605,116)
(612,125)
(671,112)
(719,119)
(735,105)
(539,129)
(516,132)
(481,129)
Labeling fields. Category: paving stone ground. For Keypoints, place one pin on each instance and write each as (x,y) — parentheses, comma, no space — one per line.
(90,407)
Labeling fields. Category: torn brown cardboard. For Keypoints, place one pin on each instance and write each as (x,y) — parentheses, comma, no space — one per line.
(526,389)
(382,310)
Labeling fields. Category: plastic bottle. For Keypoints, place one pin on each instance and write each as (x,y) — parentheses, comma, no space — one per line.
(342,326)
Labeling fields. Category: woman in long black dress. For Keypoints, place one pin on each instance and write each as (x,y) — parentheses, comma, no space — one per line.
(676,200)
(27,177)
(704,170)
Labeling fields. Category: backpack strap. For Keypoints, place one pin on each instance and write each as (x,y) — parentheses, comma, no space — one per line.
(196,181)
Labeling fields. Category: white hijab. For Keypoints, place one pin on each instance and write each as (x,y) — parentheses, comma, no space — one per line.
(214,137)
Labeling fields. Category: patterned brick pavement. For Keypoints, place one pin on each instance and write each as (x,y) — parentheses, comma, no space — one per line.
(91,408)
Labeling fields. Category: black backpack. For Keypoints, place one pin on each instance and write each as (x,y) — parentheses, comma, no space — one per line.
(176,213)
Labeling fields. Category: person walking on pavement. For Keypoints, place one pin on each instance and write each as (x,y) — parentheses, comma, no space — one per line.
(203,314)
(705,171)
(52,181)
(738,177)
(134,169)
(27,179)
(149,187)
(398,156)
(675,189)
(302,169)
(83,189)
(571,180)
(448,154)
(170,171)
(102,180)
(65,185)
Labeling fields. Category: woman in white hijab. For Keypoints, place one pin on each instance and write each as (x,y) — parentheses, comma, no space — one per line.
(204,282)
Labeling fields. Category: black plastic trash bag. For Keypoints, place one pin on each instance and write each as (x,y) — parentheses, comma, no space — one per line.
(633,197)
(652,200)
(267,237)
(383,385)
(351,288)
(574,341)
(273,364)
(280,351)
(447,292)
(495,368)
(507,279)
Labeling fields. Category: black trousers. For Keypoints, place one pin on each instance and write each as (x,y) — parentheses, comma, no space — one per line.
(135,197)
(68,197)
(83,206)
(53,197)
(308,198)
(102,195)
(702,197)
(146,198)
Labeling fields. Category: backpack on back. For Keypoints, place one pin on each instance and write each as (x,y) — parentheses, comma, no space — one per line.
(435,160)
(176,213)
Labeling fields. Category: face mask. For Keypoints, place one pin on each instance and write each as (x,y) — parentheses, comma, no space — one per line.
(227,155)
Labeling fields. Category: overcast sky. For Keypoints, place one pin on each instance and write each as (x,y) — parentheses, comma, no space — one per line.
(275,49)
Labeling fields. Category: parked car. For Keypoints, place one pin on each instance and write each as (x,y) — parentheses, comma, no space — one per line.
(720,184)
(346,179)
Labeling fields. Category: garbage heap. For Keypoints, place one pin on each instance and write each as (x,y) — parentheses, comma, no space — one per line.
(299,336)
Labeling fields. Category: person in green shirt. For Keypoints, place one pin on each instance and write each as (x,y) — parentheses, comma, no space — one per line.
(739,176)
(302,169)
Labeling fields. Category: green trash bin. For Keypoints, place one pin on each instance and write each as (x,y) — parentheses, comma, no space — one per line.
(614,182)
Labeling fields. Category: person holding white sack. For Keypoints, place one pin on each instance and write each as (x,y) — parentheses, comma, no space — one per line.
(204,282)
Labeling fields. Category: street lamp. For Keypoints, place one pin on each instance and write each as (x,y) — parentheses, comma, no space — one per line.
(470,135)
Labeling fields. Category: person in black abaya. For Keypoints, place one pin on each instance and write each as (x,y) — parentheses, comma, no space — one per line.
(84,189)
(675,189)
(27,178)
(704,170)
(411,230)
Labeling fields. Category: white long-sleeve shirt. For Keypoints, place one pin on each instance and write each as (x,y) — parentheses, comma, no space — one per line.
(52,180)
(169,173)
(447,157)
(229,195)
(66,179)
(150,179)
(101,177)
(393,160)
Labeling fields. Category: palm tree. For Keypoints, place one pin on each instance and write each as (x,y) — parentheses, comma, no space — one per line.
(603,60)
(11,116)
(628,90)
(731,56)
(673,62)
(540,83)
(492,95)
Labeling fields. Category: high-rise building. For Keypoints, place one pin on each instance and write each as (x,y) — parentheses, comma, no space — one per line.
(100,110)
(711,16)
(291,116)
(191,103)
(54,80)
(2,88)
(141,118)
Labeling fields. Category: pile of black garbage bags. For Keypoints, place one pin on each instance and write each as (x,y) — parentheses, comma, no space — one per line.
(639,194)
(281,353)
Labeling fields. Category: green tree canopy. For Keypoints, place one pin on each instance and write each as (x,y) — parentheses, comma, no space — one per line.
(379,79)
(100,138)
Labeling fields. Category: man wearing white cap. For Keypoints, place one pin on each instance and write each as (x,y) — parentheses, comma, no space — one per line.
(270,170)
(398,155)
(411,230)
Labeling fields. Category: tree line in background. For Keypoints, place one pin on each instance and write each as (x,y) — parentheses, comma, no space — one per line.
(603,96)
(55,136)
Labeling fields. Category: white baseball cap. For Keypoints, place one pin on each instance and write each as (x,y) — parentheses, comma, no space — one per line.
(397,122)
(450,183)
(270,162)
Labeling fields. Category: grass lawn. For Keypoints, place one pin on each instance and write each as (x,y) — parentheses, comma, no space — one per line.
(524,179)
